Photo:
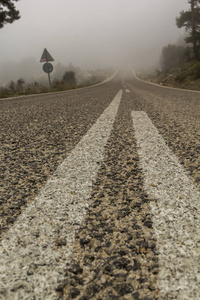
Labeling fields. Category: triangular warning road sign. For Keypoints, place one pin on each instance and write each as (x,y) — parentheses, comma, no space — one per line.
(46,56)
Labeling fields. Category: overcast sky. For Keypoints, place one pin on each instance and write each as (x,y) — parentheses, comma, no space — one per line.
(92,33)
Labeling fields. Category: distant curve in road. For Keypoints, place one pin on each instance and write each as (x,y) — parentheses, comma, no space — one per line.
(115,252)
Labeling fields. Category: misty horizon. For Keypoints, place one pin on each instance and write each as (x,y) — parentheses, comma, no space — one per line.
(89,34)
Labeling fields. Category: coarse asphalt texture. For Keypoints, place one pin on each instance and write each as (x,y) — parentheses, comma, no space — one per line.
(115,253)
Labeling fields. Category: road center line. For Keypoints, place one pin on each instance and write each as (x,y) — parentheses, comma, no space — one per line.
(34,252)
(175,212)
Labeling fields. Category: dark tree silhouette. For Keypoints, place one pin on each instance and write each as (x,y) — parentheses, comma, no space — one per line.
(8,12)
(191,21)
(69,79)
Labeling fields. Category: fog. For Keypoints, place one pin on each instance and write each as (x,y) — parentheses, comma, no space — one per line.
(88,33)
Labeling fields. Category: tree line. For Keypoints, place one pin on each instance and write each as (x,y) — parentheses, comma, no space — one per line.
(20,87)
(175,55)
(191,21)
(172,55)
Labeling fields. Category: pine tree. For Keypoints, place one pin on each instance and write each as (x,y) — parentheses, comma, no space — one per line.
(8,12)
(69,79)
(191,21)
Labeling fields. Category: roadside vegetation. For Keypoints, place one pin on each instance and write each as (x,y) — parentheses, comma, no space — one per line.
(69,80)
(180,63)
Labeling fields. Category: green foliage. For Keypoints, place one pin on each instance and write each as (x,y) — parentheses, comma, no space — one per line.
(20,84)
(194,71)
(69,79)
(18,88)
(8,12)
(58,85)
(189,73)
(184,20)
(191,21)
(172,56)
(181,77)
(68,82)
(36,88)
(12,86)
(4,93)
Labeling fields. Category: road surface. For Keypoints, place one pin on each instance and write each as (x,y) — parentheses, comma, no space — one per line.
(100,193)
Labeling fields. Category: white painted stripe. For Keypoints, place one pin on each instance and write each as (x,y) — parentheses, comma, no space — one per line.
(175,212)
(33,254)
(128,91)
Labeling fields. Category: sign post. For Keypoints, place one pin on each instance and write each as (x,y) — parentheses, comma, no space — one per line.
(47,67)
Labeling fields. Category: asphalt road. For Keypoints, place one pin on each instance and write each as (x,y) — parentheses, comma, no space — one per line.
(115,252)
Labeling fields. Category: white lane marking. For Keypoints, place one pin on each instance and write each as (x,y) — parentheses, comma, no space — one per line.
(34,252)
(128,91)
(175,213)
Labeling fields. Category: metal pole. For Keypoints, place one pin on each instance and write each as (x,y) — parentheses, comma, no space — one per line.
(49,78)
(48,69)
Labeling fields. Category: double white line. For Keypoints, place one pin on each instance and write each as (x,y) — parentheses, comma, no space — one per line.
(176,211)
(34,253)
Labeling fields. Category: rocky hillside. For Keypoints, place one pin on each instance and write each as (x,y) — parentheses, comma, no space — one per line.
(186,76)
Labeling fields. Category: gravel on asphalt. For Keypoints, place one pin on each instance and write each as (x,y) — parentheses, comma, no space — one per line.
(37,133)
(115,254)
